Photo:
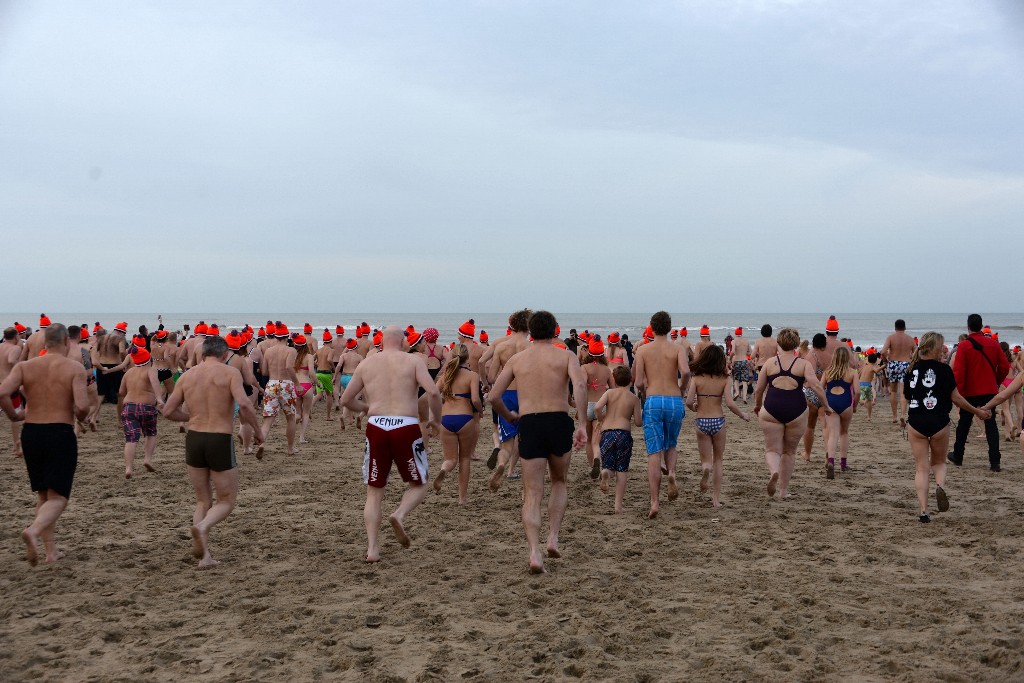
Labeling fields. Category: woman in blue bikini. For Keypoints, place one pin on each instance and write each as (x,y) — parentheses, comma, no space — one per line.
(707,389)
(460,417)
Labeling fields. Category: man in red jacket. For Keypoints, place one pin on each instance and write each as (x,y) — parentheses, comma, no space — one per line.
(979,367)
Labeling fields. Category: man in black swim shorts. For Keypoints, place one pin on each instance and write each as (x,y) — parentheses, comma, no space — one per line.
(546,434)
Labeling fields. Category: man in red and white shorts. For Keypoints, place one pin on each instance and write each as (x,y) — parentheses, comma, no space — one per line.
(391,379)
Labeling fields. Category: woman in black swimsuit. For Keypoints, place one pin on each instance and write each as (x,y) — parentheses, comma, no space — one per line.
(780,392)
(930,389)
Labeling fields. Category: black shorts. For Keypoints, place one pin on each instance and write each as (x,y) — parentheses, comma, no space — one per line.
(210,450)
(51,456)
(542,435)
(163,375)
(928,425)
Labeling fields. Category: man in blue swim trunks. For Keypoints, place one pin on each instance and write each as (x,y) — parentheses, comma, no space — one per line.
(508,432)
(662,372)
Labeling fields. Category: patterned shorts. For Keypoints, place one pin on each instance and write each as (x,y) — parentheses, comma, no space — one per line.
(895,370)
(663,418)
(867,391)
(279,395)
(812,398)
(138,420)
(741,371)
(616,449)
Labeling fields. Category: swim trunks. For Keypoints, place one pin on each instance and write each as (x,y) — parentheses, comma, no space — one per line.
(896,369)
(741,371)
(325,384)
(867,391)
(591,412)
(542,435)
(616,449)
(138,420)
(663,418)
(163,375)
(279,395)
(345,379)
(210,450)
(51,456)
(507,430)
(395,440)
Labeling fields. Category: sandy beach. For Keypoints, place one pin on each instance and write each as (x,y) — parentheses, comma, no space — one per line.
(841,582)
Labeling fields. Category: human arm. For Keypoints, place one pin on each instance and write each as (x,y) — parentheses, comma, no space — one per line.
(691,396)
(959,401)
(684,369)
(579,388)
(639,376)
(811,381)
(11,384)
(158,389)
(120,367)
(174,408)
(246,413)
(638,412)
(731,403)
(759,388)
(474,392)
(1008,392)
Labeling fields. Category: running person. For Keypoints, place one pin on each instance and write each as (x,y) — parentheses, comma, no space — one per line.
(141,396)
(460,418)
(839,379)
(620,407)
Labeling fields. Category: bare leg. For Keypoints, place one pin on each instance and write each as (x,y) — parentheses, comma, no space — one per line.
(620,489)
(812,422)
(654,482)
(533,493)
(226,484)
(670,461)
(774,433)
(468,437)
(790,440)
(290,433)
(147,461)
(412,497)
(49,506)
(922,460)
(718,441)
(844,435)
(371,517)
(450,447)
(129,458)
(705,448)
(557,502)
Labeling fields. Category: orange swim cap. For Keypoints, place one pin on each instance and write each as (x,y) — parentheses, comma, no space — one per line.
(299,340)
(485,338)
(213,331)
(378,338)
(468,329)
(705,331)
(614,338)
(44,321)
(234,340)
(832,325)
(121,327)
(675,334)
(351,344)
(307,328)
(414,338)
(738,332)
(201,328)
(595,348)
(339,330)
(327,337)
(281,330)
(649,333)
(684,332)
(140,356)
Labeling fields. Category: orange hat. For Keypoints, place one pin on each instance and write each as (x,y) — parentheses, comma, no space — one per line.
(95,328)
(915,340)
(160,335)
(1016,349)
(409,330)
(378,338)
(234,340)
(484,338)
(19,328)
(649,333)
(44,322)
(995,335)
(414,338)
(299,340)
(140,356)
(327,337)
(359,332)
(121,327)
(213,331)
(614,338)
(675,334)
(139,340)
(281,330)
(561,346)
(683,332)
(596,347)
(350,344)
(468,329)
(738,331)
(705,331)
(558,330)
(261,333)
(508,331)
(339,330)
(85,333)
(43,352)
(307,328)
(849,342)
(201,328)
(832,325)
(985,330)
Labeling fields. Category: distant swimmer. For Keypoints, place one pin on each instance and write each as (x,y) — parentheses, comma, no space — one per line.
(141,397)
(55,396)
(206,397)
(897,351)
(393,436)
(280,395)
(546,433)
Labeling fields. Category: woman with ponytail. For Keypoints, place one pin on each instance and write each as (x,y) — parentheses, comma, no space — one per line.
(839,379)
(930,390)
(460,413)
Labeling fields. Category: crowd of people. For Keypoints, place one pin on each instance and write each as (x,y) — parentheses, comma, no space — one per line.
(548,396)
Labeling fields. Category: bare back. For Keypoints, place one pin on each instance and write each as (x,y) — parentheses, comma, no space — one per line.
(54,388)
(138,383)
(390,380)
(503,353)
(207,392)
(659,365)
(543,372)
(623,408)
(279,362)
(740,349)
(899,346)
(764,348)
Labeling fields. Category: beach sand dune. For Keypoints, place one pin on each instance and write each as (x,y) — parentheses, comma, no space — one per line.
(839,582)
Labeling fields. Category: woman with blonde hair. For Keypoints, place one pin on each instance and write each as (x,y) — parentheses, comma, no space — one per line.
(781,408)
(460,417)
(930,390)
(599,380)
(839,379)
(305,380)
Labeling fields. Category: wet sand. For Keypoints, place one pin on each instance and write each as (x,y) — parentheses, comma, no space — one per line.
(840,582)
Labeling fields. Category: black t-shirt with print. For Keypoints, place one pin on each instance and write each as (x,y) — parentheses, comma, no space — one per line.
(929,387)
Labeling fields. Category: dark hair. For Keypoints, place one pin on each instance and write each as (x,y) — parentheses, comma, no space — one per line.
(974,322)
(1006,349)
(572,331)
(10,333)
(766,330)
(901,324)
(75,332)
(542,325)
(661,323)
(872,357)
(711,361)
(818,341)
(214,346)
(622,375)
(520,320)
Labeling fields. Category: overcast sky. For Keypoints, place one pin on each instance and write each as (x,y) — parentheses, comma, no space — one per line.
(731,155)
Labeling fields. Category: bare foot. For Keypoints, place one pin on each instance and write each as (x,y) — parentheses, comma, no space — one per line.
(438,479)
(92,426)
(259,452)
(494,483)
(653,513)
(807,456)
(554,552)
(149,468)
(604,483)
(673,489)
(771,484)
(537,565)
(198,543)
(704,481)
(207,563)
(31,553)
(664,467)
(293,452)
(372,557)
(56,557)
(396,524)
(127,474)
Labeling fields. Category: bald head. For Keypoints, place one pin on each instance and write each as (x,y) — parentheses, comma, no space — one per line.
(393,337)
